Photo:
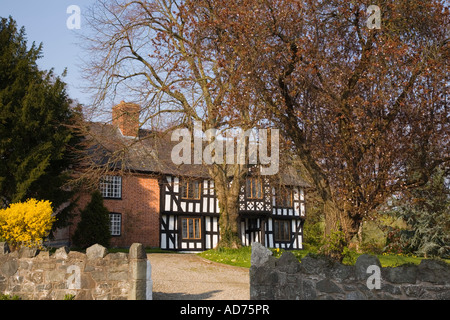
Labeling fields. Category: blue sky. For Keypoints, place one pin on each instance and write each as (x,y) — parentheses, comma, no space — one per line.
(45,21)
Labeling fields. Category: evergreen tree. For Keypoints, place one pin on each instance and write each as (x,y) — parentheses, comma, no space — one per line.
(94,227)
(426,210)
(36,142)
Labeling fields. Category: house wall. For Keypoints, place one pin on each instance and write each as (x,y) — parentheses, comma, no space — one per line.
(139,208)
(175,208)
(152,211)
(257,217)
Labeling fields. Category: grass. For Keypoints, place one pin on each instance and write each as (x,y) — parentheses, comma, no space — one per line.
(242,257)
(235,257)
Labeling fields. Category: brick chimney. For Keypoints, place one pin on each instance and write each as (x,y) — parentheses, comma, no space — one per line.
(126,118)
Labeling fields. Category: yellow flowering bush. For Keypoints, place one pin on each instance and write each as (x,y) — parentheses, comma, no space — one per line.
(26,224)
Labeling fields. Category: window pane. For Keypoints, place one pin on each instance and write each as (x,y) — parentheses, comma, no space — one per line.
(248,188)
(254,188)
(196,190)
(258,187)
(197,229)
(276,230)
(184,190)
(192,194)
(286,231)
(191,229)
(184,229)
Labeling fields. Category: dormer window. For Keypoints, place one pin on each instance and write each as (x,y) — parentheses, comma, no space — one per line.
(111,187)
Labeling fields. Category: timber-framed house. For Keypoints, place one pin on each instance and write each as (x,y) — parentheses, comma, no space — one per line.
(273,216)
(159,204)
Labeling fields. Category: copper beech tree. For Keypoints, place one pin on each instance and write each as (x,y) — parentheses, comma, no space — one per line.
(361,105)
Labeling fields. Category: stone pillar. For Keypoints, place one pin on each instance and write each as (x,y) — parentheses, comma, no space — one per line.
(139,273)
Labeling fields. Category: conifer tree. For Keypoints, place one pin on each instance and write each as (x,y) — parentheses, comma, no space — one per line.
(94,227)
(426,211)
(36,142)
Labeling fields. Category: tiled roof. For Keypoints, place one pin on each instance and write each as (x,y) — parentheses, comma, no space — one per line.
(151,153)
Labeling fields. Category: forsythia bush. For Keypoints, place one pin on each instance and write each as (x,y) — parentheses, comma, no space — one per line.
(26,224)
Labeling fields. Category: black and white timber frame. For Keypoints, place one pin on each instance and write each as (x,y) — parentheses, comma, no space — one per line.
(258,217)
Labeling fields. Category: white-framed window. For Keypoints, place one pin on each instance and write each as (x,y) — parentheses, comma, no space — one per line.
(115,224)
(111,187)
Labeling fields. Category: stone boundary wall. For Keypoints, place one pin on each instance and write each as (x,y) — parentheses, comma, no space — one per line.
(96,275)
(321,279)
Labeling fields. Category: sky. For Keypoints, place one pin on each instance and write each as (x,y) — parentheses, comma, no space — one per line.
(46,21)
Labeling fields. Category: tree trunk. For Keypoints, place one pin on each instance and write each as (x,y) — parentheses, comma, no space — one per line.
(228,197)
(359,238)
(332,216)
(229,226)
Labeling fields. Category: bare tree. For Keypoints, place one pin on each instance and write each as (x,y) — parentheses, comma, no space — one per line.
(150,52)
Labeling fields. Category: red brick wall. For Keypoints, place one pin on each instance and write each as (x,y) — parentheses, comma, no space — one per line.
(139,207)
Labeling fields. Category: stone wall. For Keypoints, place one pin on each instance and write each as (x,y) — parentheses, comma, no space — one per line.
(96,275)
(321,279)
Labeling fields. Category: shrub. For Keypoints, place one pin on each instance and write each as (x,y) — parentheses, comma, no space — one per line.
(372,247)
(334,246)
(26,224)
(313,235)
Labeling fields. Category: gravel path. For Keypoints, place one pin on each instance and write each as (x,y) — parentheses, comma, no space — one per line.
(190,277)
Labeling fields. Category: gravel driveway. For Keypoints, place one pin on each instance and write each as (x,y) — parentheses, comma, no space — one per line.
(190,277)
